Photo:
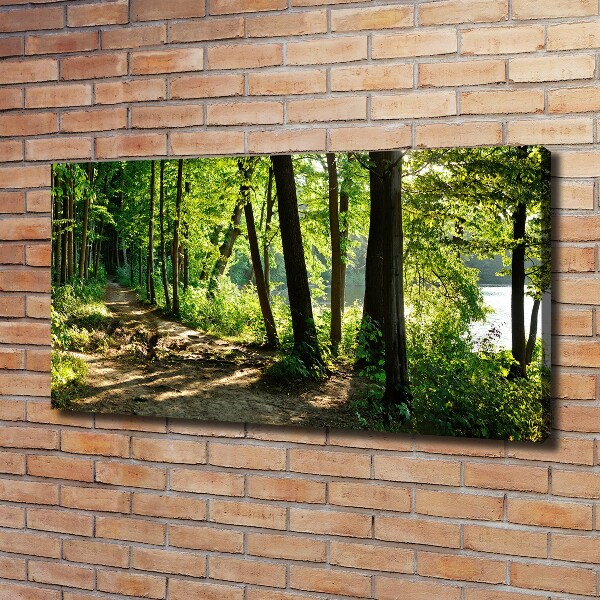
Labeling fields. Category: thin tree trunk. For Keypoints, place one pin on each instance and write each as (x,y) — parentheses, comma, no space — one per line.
(71,224)
(141,265)
(150,263)
(98,247)
(175,255)
(163,255)
(335,333)
(517,305)
(186,256)
(532,332)
(226,248)
(131,255)
(84,224)
(57,230)
(64,268)
(344,204)
(394,332)
(266,241)
(261,289)
(306,346)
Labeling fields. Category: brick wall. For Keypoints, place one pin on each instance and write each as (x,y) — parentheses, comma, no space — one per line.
(110,507)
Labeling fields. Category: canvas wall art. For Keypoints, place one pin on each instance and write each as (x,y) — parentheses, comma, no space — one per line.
(399,291)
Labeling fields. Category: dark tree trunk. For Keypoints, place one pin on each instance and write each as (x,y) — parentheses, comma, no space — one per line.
(267,241)
(532,332)
(84,225)
(131,255)
(186,256)
(71,224)
(57,230)
(141,264)
(517,306)
(344,203)
(226,248)
(150,290)
(335,334)
(306,346)
(64,267)
(261,289)
(397,389)
(175,252)
(163,254)
(373,303)
(98,247)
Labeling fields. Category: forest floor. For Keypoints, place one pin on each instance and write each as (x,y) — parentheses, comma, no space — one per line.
(160,367)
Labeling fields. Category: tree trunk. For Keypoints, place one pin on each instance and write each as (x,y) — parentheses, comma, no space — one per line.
(64,267)
(98,247)
(335,333)
(373,305)
(306,346)
(261,289)
(266,241)
(175,254)
(57,230)
(517,305)
(163,255)
(344,203)
(394,333)
(71,224)
(186,256)
(150,264)
(226,248)
(532,332)
(84,224)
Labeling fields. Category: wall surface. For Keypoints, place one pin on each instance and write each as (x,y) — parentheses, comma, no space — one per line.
(110,507)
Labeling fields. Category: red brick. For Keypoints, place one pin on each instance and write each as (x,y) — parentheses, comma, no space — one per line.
(463,11)
(206,86)
(25,385)
(287,547)
(574,354)
(501,540)
(11,150)
(79,121)
(466,72)
(105,444)
(572,322)
(488,133)
(223,7)
(12,124)
(463,447)
(129,475)
(337,50)
(551,131)
(59,467)
(158,117)
(502,40)
(575,484)
(572,260)
(393,468)
(502,102)
(95,499)
(28,71)
(245,56)
(538,9)
(11,46)
(286,488)
(58,149)
(94,66)
(547,513)
(29,437)
(31,544)
(330,581)
(371,77)
(553,578)
(60,521)
(134,37)
(576,164)
(132,584)
(459,506)
(20,177)
(171,507)
(162,561)
(414,106)
(42,412)
(12,305)
(573,100)
(203,143)
(13,568)
(27,592)
(313,81)
(31,19)
(384,17)
(461,568)
(372,557)
(169,451)
(264,458)
(252,514)
(417,531)
(370,495)
(575,386)
(199,31)
(387,589)
(303,140)
(506,477)
(38,201)
(142,144)
(157,10)
(58,95)
(287,24)
(206,538)
(551,68)
(10,359)
(132,530)
(330,522)
(10,98)
(207,482)
(106,13)
(180,589)
(415,43)
(74,41)
(167,61)
(31,492)
(96,553)
(14,464)
(38,307)
(247,113)
(245,570)
(369,138)
(575,548)
(12,202)
(337,464)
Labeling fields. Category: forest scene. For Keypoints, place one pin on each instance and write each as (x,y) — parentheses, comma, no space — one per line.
(395,291)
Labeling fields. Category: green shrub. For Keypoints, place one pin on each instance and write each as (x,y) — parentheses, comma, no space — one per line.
(67,376)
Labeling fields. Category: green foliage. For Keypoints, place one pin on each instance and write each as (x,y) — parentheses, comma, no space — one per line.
(67,376)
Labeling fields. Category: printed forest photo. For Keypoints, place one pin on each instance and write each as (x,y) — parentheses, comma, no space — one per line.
(396,291)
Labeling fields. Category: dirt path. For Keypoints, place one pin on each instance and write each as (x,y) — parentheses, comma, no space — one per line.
(188,374)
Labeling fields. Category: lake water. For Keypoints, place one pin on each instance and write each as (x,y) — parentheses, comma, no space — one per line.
(497,297)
